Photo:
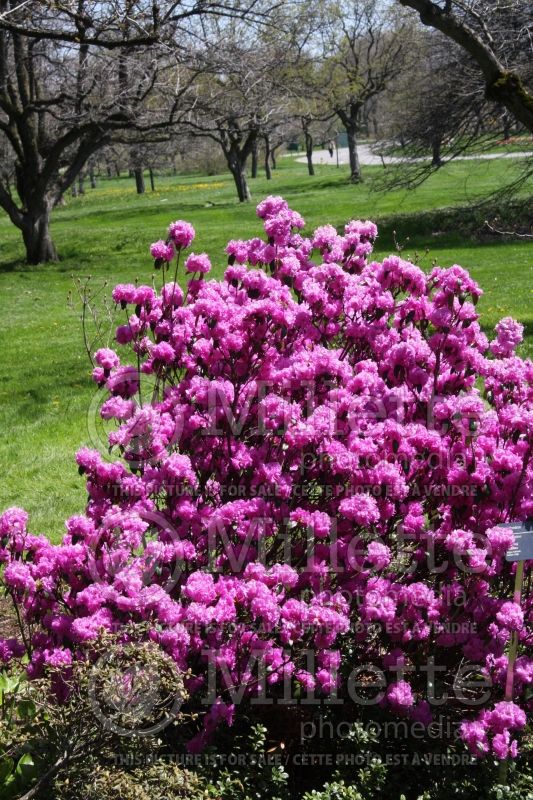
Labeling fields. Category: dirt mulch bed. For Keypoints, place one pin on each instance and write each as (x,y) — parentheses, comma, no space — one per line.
(8,620)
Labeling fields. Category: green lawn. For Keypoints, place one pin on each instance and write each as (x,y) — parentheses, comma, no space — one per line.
(47,398)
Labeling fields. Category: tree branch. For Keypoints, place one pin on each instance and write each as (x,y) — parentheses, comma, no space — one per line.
(9,206)
(501,85)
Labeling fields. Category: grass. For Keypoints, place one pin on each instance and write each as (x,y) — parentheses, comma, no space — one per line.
(47,400)
(520,143)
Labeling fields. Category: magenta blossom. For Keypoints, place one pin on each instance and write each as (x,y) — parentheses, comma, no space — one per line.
(182,233)
(162,251)
(198,263)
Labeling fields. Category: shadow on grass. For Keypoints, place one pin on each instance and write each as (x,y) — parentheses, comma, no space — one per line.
(95,215)
(463,226)
(315,184)
(21,267)
(18,265)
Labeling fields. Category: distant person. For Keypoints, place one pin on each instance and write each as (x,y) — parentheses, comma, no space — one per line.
(331,148)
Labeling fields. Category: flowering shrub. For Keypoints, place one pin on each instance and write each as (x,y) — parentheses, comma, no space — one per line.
(309,494)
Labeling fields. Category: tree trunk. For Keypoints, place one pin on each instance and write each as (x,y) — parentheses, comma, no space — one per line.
(117,169)
(81,187)
(255,158)
(436,160)
(506,119)
(139,180)
(309,153)
(109,173)
(152,182)
(268,154)
(36,234)
(355,169)
(239,176)
(273,157)
(92,177)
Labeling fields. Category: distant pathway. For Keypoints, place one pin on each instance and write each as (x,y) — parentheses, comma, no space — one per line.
(368,158)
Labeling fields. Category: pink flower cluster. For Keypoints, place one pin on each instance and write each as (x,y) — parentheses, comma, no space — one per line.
(327,449)
(491,731)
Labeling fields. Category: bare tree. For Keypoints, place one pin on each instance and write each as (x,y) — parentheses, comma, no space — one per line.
(237,96)
(274,134)
(272,143)
(365,47)
(497,35)
(438,109)
(74,73)
(315,126)
(310,105)
(225,113)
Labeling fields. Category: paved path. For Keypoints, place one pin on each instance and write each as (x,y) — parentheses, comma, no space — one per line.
(368,158)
